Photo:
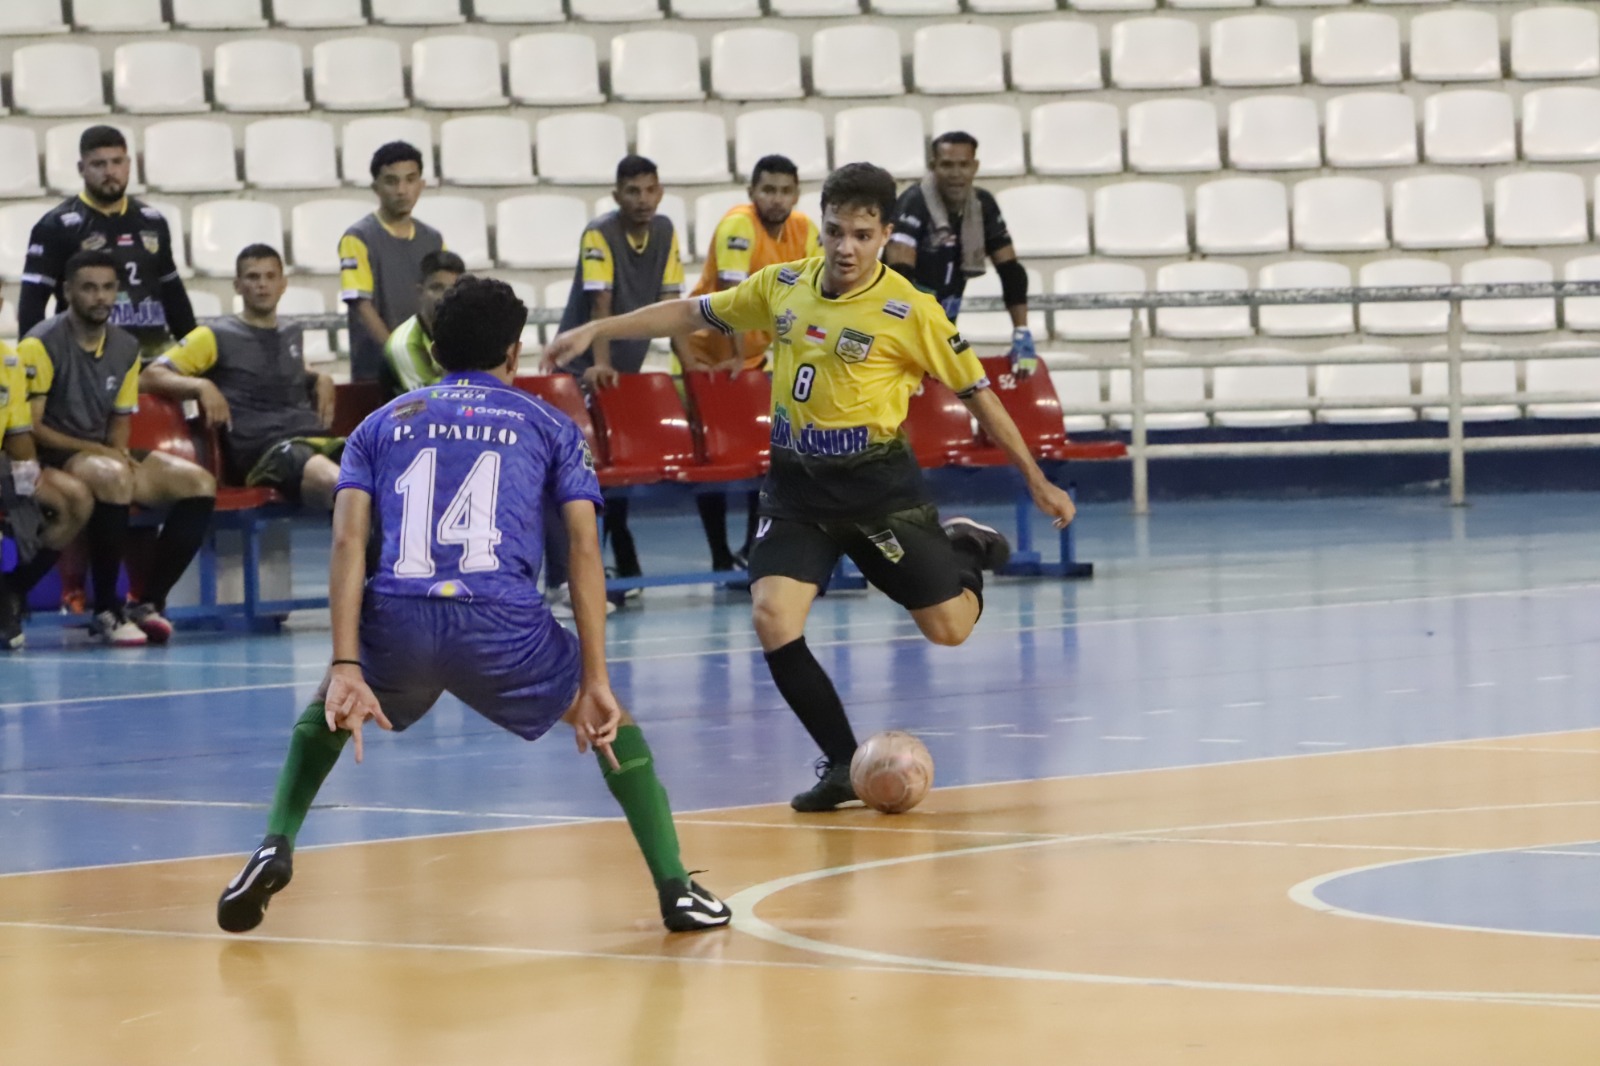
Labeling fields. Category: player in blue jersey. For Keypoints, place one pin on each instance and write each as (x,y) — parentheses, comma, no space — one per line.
(458,476)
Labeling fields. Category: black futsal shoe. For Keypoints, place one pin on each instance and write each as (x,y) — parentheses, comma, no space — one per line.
(832,790)
(988,543)
(244,901)
(687,908)
(11,612)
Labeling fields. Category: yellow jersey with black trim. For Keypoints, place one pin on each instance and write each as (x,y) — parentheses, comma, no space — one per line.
(16,413)
(843,371)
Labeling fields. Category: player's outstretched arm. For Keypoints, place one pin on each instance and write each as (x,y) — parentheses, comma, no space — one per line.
(349,702)
(998,427)
(596,715)
(665,319)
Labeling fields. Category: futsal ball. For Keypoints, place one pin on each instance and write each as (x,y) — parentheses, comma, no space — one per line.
(891,772)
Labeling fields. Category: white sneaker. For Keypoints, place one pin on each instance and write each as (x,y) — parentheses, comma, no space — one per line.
(110,627)
(560,601)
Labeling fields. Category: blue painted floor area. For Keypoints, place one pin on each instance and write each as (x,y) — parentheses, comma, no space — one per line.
(1546,891)
(1212,632)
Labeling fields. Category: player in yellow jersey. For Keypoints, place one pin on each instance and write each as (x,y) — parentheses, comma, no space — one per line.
(854,339)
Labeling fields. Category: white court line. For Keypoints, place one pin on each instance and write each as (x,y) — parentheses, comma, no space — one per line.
(141,801)
(1220,740)
(1322,744)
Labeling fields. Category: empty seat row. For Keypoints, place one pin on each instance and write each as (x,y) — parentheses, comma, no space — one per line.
(29,17)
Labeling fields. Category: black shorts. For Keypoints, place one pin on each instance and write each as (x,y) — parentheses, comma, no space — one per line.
(20,516)
(905,555)
(283,465)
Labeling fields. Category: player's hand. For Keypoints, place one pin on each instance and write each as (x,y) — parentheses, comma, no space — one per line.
(213,405)
(566,346)
(350,702)
(1024,358)
(599,377)
(1054,501)
(595,717)
(326,395)
(731,366)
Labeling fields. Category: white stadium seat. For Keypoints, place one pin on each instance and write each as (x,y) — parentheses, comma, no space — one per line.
(1455,45)
(260,76)
(994,327)
(1155,53)
(1255,50)
(914,7)
(998,128)
(1112,5)
(799,134)
(1287,385)
(209,304)
(16,226)
(1060,56)
(218,14)
(1109,324)
(1199,323)
(61,156)
(891,137)
(1140,218)
(709,209)
(464,224)
(219,228)
(1340,214)
(555,295)
(1076,137)
(690,147)
(1478,378)
(1539,208)
(1364,381)
(756,64)
(580,148)
(1163,384)
(1274,133)
(856,61)
(1469,126)
(158,78)
(486,150)
(190,155)
(1207,5)
(1241,216)
(1435,211)
(456,72)
(362,137)
(672,206)
(655,65)
(19,162)
(615,10)
(316,227)
(1173,136)
(1048,220)
(1410,318)
(1011,7)
(1305,320)
(554,70)
(1078,389)
(716,9)
(30,18)
(958,58)
(1561,125)
(1582,312)
(1355,48)
(1371,129)
(417,12)
(117,16)
(518,12)
(290,153)
(1555,42)
(1564,375)
(358,74)
(539,232)
(806,9)
(318,14)
(1507,316)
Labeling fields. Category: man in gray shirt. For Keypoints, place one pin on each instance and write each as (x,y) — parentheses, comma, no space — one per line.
(380,258)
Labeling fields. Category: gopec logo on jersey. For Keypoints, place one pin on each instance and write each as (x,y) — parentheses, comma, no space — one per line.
(810,440)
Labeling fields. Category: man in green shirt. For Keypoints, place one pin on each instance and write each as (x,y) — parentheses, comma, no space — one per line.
(407,362)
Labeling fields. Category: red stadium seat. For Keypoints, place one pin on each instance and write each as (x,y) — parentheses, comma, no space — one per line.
(353,401)
(159,426)
(643,422)
(561,392)
(1036,409)
(939,426)
(732,417)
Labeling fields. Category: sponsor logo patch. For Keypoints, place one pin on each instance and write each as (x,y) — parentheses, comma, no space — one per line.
(853,346)
(738,244)
(594,254)
(788,276)
(784,322)
(450,590)
(409,410)
(35,249)
(348,264)
(889,545)
(150,212)
(71,218)
(897,308)
(958,343)
(92,243)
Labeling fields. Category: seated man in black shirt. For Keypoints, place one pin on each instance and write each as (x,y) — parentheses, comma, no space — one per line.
(944,228)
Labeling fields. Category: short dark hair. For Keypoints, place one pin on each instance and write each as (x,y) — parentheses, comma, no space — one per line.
(634,166)
(101,137)
(88,260)
(953,137)
(861,185)
(449,262)
(395,152)
(476,321)
(773,164)
(256,251)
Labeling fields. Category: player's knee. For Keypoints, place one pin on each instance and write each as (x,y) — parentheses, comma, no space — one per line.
(946,624)
(67,496)
(107,480)
(318,481)
(774,625)
(189,480)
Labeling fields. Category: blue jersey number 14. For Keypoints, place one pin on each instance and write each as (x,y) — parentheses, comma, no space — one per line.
(468,522)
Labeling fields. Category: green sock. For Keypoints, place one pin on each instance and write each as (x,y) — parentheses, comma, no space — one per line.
(644,801)
(313,750)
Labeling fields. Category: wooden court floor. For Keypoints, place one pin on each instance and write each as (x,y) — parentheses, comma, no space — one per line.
(1151,917)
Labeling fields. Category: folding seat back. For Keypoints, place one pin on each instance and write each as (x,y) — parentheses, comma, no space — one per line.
(260,76)
(158,78)
(554,69)
(732,417)
(57,79)
(938,425)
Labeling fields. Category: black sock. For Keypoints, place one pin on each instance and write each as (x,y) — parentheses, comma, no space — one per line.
(622,549)
(809,692)
(30,573)
(970,561)
(182,535)
(713,507)
(105,534)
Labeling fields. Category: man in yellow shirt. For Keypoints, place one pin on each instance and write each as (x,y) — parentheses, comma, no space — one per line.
(749,238)
(854,340)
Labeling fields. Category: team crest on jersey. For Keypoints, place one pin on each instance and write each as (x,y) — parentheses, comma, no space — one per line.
(594,253)
(787,276)
(958,343)
(93,242)
(784,322)
(853,346)
(889,545)
(151,240)
(738,244)
(111,383)
(897,308)
(588,457)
